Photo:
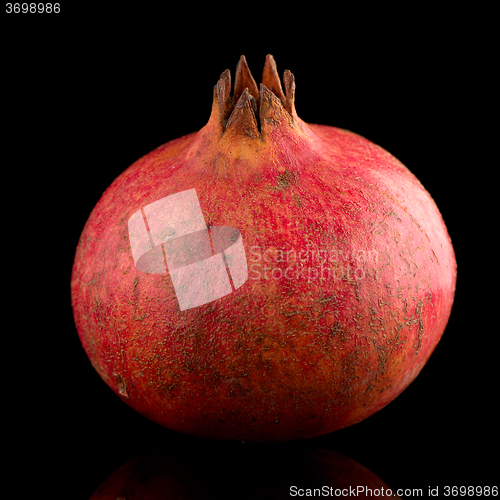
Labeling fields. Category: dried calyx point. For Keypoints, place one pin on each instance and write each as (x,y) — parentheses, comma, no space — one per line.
(250,108)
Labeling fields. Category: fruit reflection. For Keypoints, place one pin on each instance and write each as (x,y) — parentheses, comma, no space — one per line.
(241,471)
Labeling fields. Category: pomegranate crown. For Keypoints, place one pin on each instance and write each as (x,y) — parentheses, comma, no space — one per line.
(250,108)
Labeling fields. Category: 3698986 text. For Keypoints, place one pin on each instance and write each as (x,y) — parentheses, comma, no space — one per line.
(32,8)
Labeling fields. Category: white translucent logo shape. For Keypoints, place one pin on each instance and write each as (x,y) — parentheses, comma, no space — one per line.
(204,263)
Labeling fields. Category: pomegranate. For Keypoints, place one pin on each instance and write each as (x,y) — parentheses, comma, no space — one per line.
(262,279)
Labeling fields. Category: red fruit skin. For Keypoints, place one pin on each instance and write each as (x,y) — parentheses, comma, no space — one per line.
(279,358)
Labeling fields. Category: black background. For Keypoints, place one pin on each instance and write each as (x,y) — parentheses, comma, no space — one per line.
(85,98)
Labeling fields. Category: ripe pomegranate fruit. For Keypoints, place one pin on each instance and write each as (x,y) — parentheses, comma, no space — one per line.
(262,279)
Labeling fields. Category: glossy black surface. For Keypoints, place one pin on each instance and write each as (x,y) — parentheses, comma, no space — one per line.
(82,109)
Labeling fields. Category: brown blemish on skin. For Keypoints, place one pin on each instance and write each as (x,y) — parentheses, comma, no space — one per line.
(286,179)
(121,385)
